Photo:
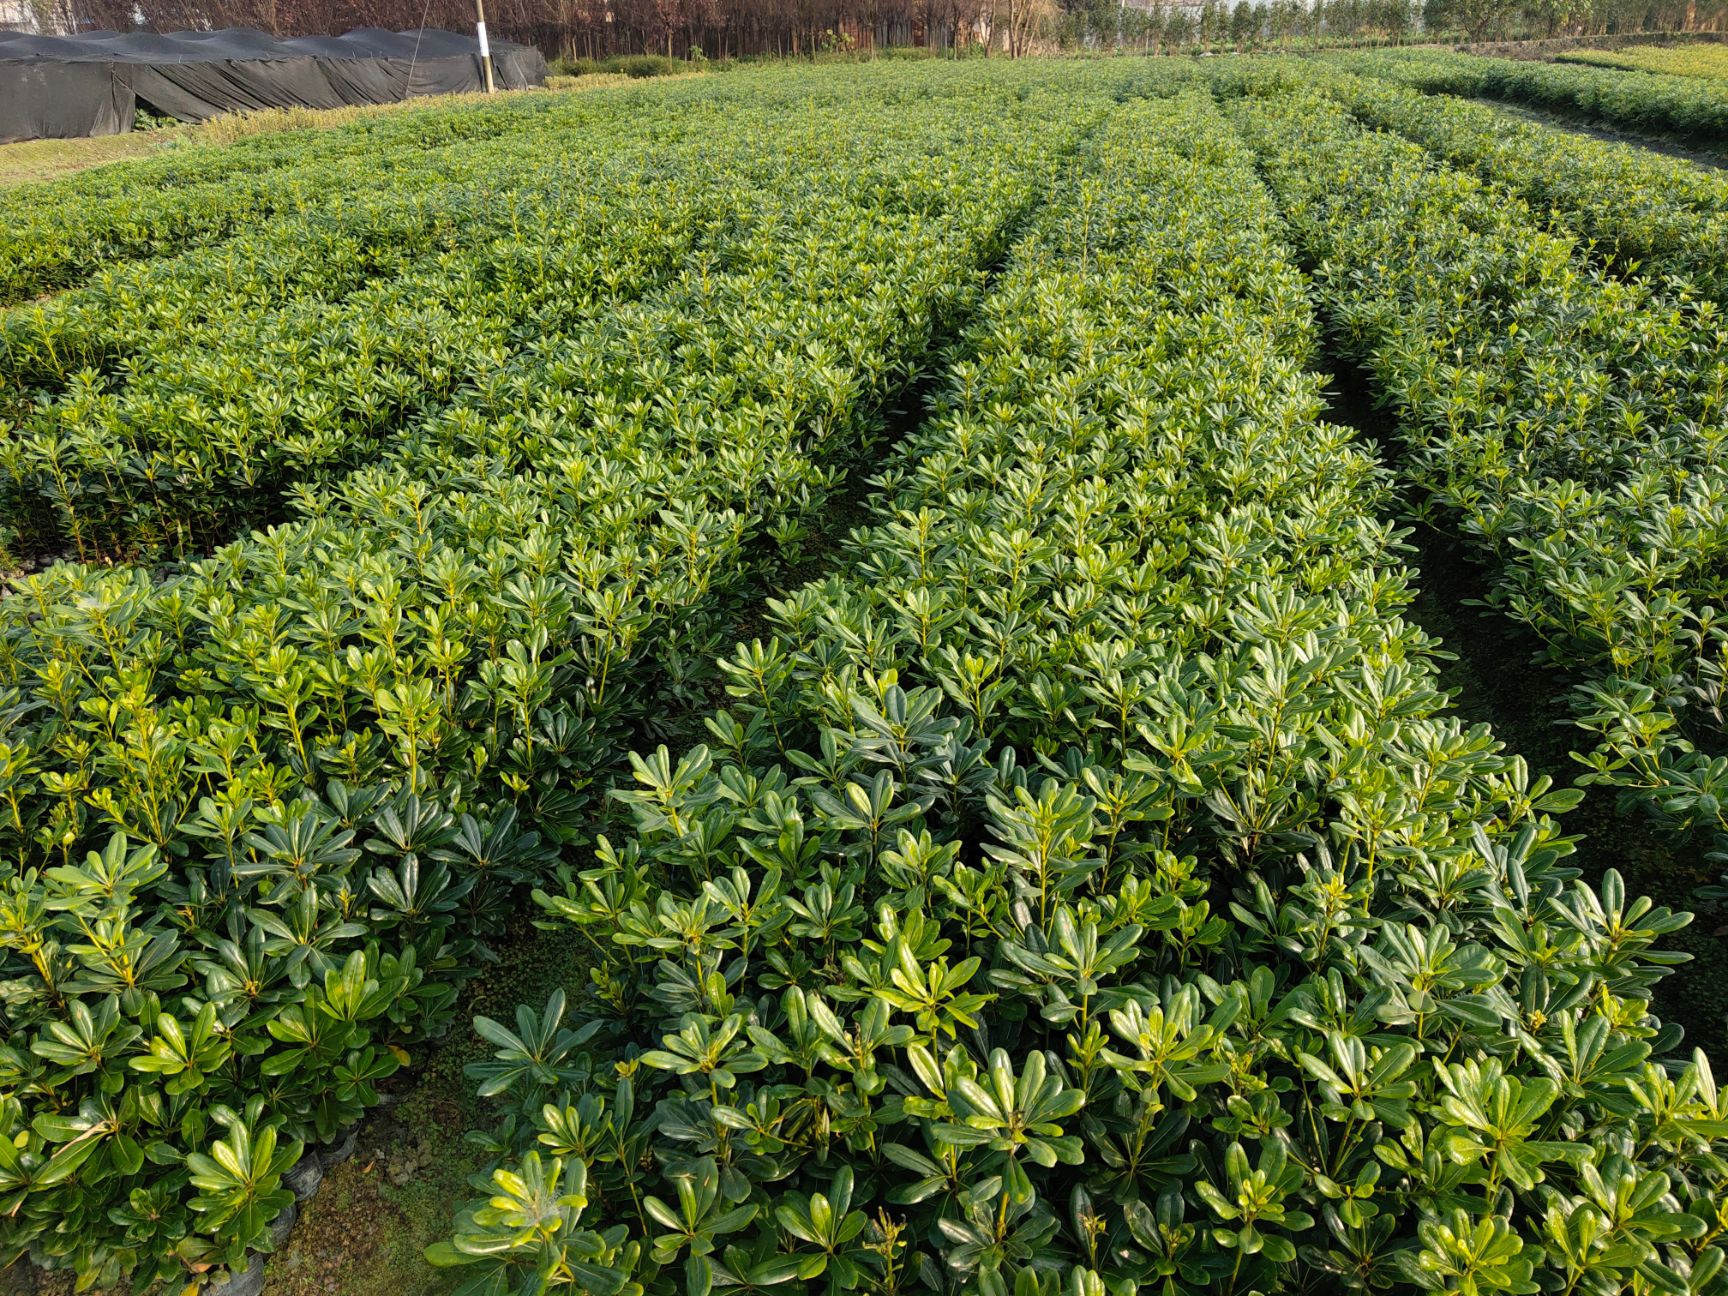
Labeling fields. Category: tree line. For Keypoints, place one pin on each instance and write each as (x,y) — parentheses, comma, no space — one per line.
(727,29)
(1218,24)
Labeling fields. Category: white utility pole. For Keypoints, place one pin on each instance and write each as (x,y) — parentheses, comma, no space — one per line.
(485,49)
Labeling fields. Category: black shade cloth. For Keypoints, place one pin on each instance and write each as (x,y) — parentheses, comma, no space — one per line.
(93,83)
(62,100)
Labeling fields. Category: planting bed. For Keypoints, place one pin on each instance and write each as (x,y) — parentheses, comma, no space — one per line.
(880,678)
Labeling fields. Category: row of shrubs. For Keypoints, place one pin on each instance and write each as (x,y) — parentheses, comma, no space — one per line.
(657,65)
(1571,424)
(167,403)
(1685,109)
(1648,213)
(59,234)
(1087,889)
(260,815)
(638,66)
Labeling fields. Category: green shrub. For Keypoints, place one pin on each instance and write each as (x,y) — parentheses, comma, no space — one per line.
(1690,109)
(1086,889)
(260,813)
(147,119)
(574,67)
(1572,423)
(60,233)
(1653,215)
(643,65)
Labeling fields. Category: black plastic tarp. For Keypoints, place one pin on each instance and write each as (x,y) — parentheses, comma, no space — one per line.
(93,83)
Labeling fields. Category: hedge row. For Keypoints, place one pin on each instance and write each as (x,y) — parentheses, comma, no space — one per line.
(1572,425)
(1681,108)
(58,233)
(1704,58)
(1649,214)
(260,816)
(1087,889)
(175,401)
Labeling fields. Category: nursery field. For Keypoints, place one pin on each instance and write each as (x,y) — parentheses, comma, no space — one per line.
(1043,677)
(1659,105)
(1703,60)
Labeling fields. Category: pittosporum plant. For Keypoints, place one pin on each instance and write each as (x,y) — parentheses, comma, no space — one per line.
(1572,424)
(1678,107)
(262,812)
(1649,213)
(1086,890)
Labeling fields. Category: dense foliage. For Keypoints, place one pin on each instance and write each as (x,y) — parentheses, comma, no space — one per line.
(1701,60)
(257,814)
(1085,889)
(1086,884)
(1570,423)
(1682,108)
(1648,213)
(56,234)
(171,401)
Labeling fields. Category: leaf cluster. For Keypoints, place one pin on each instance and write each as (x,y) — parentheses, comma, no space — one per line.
(261,815)
(1086,890)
